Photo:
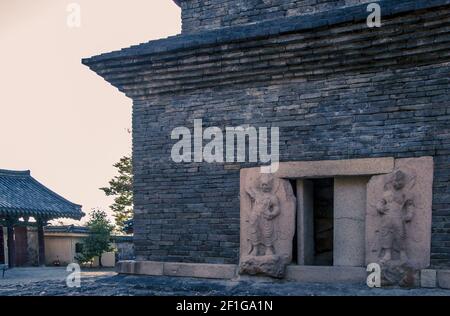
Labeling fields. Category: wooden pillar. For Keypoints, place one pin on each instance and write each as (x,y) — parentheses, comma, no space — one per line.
(2,246)
(41,242)
(11,245)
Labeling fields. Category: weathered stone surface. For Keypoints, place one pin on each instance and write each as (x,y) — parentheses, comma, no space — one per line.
(349,221)
(125,267)
(398,222)
(400,227)
(419,244)
(209,271)
(428,278)
(139,267)
(326,274)
(397,272)
(443,277)
(270,265)
(267,222)
(148,268)
(329,168)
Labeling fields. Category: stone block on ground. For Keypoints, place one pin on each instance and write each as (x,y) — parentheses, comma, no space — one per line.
(428,278)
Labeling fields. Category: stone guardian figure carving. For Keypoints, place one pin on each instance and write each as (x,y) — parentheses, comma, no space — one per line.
(398,221)
(267,223)
(266,207)
(396,209)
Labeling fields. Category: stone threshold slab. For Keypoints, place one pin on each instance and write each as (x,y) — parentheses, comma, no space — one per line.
(326,274)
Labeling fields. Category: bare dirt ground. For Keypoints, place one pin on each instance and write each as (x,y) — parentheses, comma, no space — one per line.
(51,282)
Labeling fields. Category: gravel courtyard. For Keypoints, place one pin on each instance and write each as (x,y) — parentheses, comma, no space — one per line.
(51,281)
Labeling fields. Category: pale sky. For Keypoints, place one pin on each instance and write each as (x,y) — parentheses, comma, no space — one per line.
(57,118)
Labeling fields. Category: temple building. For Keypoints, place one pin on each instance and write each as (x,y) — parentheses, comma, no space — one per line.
(26,206)
(362,113)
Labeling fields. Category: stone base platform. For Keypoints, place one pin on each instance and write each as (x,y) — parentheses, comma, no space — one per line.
(307,274)
(196,270)
(314,274)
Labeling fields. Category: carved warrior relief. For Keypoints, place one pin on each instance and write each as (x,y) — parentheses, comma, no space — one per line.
(267,223)
(398,223)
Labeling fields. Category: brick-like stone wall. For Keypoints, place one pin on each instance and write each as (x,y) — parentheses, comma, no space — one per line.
(199,15)
(190,212)
(335,88)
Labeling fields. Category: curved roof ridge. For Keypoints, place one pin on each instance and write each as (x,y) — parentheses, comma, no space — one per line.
(15,172)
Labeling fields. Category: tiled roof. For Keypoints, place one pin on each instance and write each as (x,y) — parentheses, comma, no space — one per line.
(83,230)
(67,229)
(22,195)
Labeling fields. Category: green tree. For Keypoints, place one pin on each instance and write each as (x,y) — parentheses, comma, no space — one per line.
(121,187)
(99,239)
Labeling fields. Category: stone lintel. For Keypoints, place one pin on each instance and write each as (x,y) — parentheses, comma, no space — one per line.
(332,168)
(326,274)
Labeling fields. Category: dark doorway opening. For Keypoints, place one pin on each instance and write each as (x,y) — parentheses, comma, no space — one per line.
(323,221)
(294,241)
